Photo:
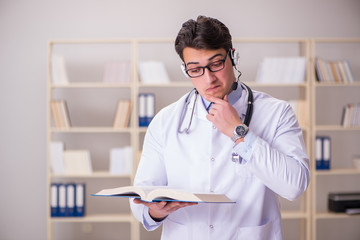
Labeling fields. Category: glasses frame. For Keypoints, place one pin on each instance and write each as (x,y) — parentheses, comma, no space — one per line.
(208,67)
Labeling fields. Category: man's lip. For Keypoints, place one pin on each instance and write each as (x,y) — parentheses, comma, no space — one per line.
(212,88)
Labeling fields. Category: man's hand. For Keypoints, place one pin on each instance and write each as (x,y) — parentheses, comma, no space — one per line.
(223,115)
(160,210)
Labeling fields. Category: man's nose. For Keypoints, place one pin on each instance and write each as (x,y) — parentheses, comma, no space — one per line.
(208,75)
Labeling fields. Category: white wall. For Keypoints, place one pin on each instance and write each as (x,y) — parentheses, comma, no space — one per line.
(26,26)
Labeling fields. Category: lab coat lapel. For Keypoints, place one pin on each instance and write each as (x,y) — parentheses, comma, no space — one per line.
(200,111)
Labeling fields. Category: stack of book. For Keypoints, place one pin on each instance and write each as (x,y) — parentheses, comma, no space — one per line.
(351,115)
(60,113)
(121,160)
(337,71)
(58,70)
(122,115)
(300,109)
(77,162)
(67,199)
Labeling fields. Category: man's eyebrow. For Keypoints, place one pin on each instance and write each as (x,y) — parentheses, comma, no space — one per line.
(211,58)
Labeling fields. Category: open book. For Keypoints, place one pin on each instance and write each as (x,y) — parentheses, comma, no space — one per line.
(163,193)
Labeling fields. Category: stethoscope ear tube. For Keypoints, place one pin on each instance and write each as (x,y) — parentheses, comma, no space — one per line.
(183,114)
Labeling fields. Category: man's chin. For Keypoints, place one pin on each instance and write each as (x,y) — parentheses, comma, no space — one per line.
(219,95)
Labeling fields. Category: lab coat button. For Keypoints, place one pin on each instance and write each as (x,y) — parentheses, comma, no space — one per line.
(214,127)
(211,226)
(212,159)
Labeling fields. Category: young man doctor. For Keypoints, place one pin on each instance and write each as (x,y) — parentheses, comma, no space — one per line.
(252,165)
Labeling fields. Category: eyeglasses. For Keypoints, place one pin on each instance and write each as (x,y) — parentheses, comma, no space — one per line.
(212,67)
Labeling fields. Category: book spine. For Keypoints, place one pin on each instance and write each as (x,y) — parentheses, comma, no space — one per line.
(80,200)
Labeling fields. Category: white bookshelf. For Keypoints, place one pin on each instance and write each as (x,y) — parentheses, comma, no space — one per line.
(145,49)
(327,101)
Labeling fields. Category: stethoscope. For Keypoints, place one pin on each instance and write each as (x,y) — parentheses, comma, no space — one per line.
(186,130)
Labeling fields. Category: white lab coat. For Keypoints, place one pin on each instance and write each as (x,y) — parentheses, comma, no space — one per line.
(274,163)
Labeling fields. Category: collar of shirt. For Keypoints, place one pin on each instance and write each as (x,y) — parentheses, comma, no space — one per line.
(233,97)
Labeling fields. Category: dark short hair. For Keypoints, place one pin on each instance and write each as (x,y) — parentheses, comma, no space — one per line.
(204,33)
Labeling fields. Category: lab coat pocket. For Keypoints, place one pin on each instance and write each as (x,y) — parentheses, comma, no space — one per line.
(174,230)
(261,232)
(242,171)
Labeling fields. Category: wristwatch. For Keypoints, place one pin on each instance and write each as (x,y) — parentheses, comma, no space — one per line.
(239,132)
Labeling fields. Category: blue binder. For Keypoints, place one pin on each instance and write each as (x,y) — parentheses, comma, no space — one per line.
(54,199)
(70,200)
(62,200)
(323,152)
(79,200)
(146,108)
(67,200)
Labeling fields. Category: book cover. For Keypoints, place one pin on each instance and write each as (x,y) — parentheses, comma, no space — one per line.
(58,70)
(122,116)
(57,157)
(163,193)
(77,162)
(121,160)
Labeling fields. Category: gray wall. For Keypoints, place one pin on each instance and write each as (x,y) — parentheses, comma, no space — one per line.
(26,26)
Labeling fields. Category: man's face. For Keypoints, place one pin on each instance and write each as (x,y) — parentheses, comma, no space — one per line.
(216,84)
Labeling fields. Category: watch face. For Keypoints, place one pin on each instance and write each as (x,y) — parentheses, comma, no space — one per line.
(240,130)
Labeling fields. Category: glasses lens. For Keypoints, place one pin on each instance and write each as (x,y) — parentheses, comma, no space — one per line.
(195,72)
(216,66)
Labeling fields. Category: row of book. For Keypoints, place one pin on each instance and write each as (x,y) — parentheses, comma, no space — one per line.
(61,116)
(60,113)
(122,116)
(351,115)
(270,70)
(333,71)
(78,162)
(301,110)
(121,160)
(323,152)
(118,71)
(67,199)
(115,72)
(69,161)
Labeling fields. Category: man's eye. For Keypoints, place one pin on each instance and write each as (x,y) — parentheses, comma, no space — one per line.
(216,64)
(194,70)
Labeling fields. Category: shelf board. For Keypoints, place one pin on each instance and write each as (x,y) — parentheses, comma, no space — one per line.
(98,174)
(335,128)
(91,85)
(343,171)
(333,215)
(293,214)
(257,84)
(170,84)
(94,218)
(91,130)
(323,84)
